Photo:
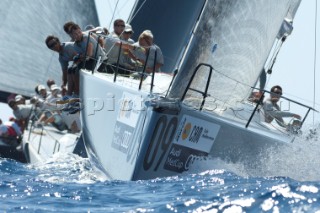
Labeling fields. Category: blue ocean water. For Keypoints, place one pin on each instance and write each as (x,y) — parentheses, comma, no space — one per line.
(287,181)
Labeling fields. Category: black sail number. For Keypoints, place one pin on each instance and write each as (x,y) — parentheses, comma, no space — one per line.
(163,135)
(170,130)
(155,142)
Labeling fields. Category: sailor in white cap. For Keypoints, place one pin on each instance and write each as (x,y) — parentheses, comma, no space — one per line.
(55,94)
(42,91)
(20,99)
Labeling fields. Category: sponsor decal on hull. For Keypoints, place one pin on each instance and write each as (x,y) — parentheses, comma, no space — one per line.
(180,158)
(196,133)
(129,111)
(122,137)
(193,140)
(130,108)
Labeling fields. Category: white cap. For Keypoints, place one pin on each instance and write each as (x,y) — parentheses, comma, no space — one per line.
(54,87)
(89,27)
(128,28)
(18,97)
(99,28)
(41,87)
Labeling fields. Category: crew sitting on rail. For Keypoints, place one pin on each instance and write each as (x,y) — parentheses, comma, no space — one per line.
(146,49)
(272,109)
(117,59)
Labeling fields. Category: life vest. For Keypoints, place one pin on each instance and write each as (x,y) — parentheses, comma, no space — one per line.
(11,131)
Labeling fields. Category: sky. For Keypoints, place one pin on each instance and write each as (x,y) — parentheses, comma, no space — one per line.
(295,66)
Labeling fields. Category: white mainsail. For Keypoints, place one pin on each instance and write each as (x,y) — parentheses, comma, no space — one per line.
(25,60)
(235,37)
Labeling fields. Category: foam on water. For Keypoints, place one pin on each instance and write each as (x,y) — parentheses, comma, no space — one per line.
(298,160)
(68,168)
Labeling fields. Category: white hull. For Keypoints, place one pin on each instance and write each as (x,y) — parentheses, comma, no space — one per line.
(40,144)
(131,135)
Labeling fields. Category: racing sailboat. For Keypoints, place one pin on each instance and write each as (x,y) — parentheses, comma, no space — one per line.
(159,124)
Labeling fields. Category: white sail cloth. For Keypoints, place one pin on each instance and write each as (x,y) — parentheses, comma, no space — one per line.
(25,60)
(235,37)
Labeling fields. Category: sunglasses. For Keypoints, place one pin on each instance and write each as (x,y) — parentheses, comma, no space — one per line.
(277,93)
(120,25)
(52,44)
(127,32)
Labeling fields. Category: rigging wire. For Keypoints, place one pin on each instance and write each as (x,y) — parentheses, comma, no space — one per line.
(315,59)
(114,11)
(271,61)
(276,49)
(129,21)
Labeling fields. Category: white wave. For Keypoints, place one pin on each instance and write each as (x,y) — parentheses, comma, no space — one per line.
(66,167)
(298,160)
